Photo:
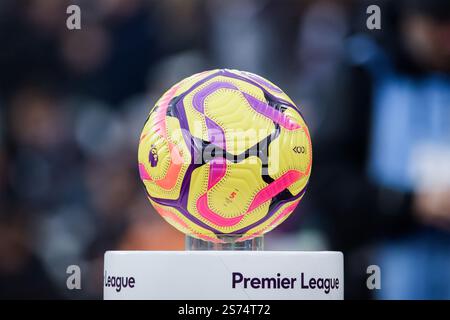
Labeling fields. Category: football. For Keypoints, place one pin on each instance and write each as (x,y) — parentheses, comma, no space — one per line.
(225,152)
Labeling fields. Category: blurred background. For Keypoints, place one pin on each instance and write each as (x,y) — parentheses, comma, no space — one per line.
(73,103)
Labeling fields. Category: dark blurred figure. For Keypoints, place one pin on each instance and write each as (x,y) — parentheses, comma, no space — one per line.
(382,165)
(22,274)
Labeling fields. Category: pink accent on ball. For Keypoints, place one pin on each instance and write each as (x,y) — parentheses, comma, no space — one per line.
(217,169)
(143,172)
(275,188)
(207,213)
(262,196)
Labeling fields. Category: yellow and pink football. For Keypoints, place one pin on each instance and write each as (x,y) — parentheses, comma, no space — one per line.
(225,152)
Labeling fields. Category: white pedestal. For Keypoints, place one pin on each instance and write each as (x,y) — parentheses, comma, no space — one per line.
(223,275)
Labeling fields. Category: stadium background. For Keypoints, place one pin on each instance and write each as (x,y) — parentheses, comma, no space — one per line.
(72,104)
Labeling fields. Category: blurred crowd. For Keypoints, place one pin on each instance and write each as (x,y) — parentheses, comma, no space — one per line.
(73,103)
